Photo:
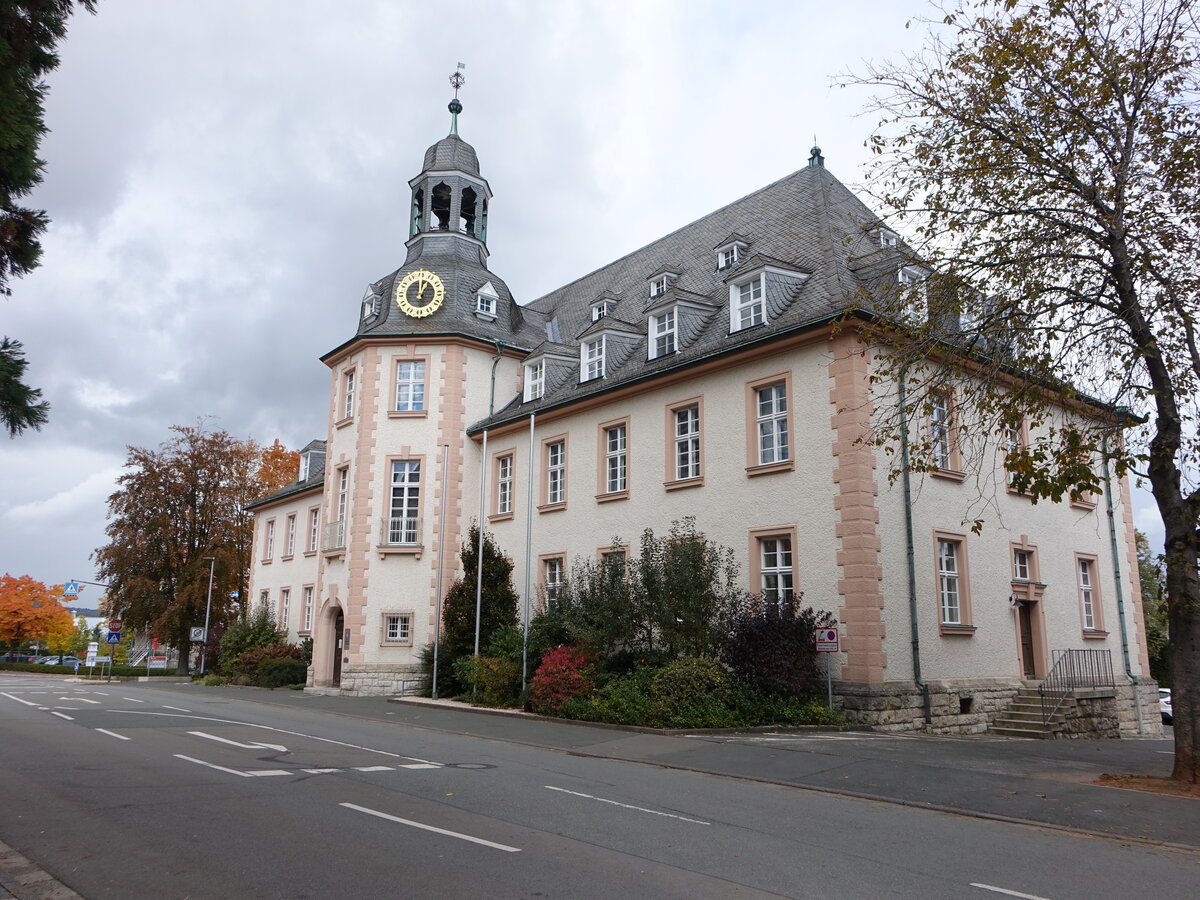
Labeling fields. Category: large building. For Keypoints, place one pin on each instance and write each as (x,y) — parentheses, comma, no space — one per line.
(708,374)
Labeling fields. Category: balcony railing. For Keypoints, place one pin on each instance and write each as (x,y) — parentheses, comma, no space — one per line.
(334,536)
(400,532)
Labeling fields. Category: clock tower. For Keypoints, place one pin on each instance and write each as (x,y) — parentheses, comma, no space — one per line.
(439,344)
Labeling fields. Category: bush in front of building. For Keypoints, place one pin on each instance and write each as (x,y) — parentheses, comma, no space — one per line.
(564,674)
(258,629)
(281,671)
(248,667)
(768,645)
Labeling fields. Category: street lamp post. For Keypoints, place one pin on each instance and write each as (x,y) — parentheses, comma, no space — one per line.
(212,562)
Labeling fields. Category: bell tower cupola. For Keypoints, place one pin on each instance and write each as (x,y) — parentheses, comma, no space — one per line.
(449,203)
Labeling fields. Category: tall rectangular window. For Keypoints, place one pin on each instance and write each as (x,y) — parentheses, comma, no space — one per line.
(687,443)
(556,472)
(405,502)
(348,394)
(775,568)
(308,608)
(940,446)
(410,385)
(772,424)
(290,549)
(343,495)
(1021,567)
(615,459)
(285,605)
(593,359)
(535,380)
(504,485)
(552,579)
(948,581)
(264,599)
(1087,593)
(662,335)
(269,541)
(314,522)
(749,309)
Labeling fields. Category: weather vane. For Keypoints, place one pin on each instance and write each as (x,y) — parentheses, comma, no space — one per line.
(455,107)
(458,79)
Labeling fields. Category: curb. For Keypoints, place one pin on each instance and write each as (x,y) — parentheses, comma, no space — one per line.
(25,880)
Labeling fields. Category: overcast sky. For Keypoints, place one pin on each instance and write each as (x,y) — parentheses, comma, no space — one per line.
(225,177)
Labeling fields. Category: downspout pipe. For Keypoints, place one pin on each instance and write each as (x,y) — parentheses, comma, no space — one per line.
(495,362)
(1120,592)
(910,550)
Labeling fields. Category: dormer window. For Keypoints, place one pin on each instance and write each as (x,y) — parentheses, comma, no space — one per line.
(486,299)
(910,275)
(535,380)
(370,302)
(659,285)
(591,359)
(746,308)
(887,238)
(305,466)
(600,309)
(662,334)
(727,256)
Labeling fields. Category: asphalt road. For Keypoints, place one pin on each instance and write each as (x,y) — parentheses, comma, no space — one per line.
(131,791)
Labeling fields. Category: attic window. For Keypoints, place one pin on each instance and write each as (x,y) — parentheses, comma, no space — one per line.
(485,302)
(535,380)
(601,309)
(305,466)
(370,302)
(887,238)
(727,256)
(591,359)
(662,334)
(659,285)
(746,306)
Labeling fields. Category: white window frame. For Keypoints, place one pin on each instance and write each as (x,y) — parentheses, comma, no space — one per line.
(308,608)
(404,502)
(1022,560)
(410,385)
(949,585)
(941,445)
(663,334)
(771,414)
(556,472)
(552,578)
(591,358)
(397,628)
(264,599)
(348,378)
(775,568)
(504,485)
(1085,577)
(748,305)
(285,604)
(659,285)
(305,466)
(727,256)
(269,541)
(314,526)
(601,309)
(290,543)
(616,459)
(535,380)
(888,238)
(485,302)
(687,442)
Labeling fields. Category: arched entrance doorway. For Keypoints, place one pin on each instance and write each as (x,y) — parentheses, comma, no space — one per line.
(339,634)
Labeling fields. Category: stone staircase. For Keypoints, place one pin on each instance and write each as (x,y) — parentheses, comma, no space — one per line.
(1023,718)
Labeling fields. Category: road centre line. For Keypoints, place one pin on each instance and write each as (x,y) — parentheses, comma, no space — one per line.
(176,708)
(133,699)
(18,699)
(1000,890)
(257,772)
(119,737)
(653,812)
(434,829)
(62,716)
(311,737)
(372,768)
(79,700)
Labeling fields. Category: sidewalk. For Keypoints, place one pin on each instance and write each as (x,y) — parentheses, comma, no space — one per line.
(1042,783)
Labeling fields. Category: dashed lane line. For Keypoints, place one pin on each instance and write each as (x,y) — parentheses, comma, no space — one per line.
(1006,891)
(62,716)
(18,699)
(328,770)
(653,812)
(176,708)
(119,737)
(454,834)
(133,699)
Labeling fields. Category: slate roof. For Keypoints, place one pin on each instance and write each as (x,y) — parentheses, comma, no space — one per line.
(807,222)
(451,152)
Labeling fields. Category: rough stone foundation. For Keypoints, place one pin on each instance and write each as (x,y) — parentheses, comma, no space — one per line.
(965,706)
(375,681)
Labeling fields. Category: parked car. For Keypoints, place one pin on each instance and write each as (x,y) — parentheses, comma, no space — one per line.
(66,661)
(1164,706)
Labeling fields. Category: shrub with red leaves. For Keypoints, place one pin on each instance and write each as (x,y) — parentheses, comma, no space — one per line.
(565,673)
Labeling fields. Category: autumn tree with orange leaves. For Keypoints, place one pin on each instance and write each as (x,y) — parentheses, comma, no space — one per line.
(30,610)
(174,507)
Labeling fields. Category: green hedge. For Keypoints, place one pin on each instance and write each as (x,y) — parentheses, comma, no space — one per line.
(126,671)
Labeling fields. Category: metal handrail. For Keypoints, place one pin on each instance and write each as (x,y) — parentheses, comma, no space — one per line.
(334,537)
(1072,670)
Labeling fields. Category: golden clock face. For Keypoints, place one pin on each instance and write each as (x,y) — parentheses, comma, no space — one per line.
(420,293)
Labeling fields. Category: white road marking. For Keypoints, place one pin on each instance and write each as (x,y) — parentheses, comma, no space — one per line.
(201,762)
(99,693)
(434,829)
(654,812)
(119,737)
(79,700)
(257,772)
(311,737)
(176,708)
(421,766)
(324,771)
(18,699)
(133,700)
(69,708)
(372,768)
(62,716)
(213,737)
(1000,890)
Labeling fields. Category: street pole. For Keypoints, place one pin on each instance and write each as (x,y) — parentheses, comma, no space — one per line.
(212,562)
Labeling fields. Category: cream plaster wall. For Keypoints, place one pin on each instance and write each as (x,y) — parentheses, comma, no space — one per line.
(281,572)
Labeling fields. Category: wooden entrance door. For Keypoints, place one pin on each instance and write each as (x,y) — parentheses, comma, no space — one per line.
(1025,624)
(339,629)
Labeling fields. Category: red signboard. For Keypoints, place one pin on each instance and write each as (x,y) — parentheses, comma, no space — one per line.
(826,640)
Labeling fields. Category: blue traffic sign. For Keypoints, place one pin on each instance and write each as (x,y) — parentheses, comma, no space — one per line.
(114,637)
(71,589)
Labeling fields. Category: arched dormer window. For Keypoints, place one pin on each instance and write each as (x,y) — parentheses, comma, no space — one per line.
(441,206)
(466,212)
(418,212)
